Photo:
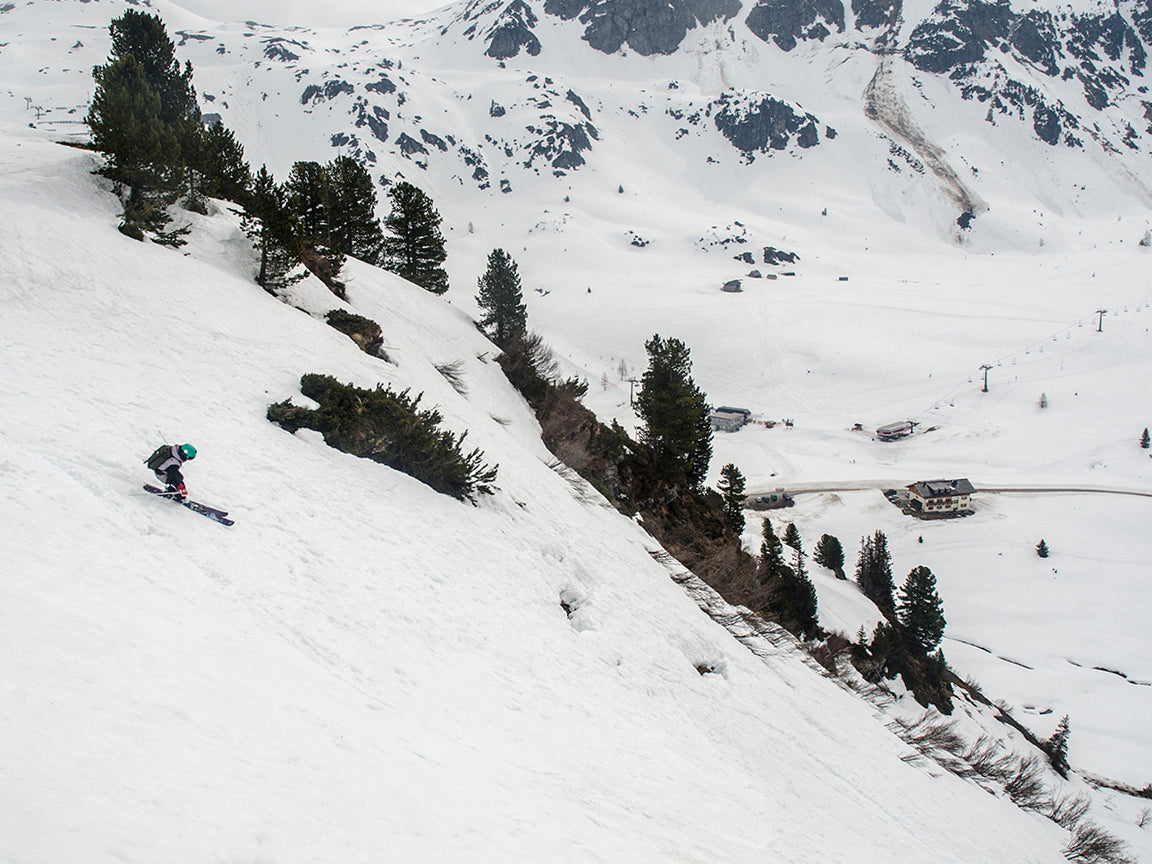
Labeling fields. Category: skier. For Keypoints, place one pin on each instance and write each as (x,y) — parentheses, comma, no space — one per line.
(166,462)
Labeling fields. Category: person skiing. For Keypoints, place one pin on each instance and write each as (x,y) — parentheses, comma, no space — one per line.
(165,461)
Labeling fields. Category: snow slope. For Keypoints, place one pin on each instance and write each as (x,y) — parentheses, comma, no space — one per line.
(361,667)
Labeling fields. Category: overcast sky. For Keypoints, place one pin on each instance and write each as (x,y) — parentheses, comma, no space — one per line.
(335,13)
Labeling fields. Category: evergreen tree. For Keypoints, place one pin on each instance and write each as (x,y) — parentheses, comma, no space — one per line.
(799,597)
(921,611)
(1146,439)
(792,536)
(144,37)
(415,247)
(308,199)
(1057,748)
(505,317)
(350,203)
(771,566)
(145,119)
(874,571)
(731,487)
(224,172)
(829,553)
(269,223)
(674,415)
(1042,549)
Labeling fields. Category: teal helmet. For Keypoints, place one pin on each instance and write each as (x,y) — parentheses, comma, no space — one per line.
(188,451)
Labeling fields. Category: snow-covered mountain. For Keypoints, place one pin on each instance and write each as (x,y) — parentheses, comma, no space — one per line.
(362,665)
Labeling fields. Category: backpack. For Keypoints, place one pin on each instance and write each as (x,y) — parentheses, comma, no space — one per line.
(162,454)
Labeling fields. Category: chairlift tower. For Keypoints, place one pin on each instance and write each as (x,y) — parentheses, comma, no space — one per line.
(1100,325)
(985,367)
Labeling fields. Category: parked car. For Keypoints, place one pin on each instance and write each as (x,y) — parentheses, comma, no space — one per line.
(771,501)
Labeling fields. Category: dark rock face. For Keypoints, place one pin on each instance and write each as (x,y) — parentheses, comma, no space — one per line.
(496,110)
(875,13)
(383,86)
(958,32)
(785,21)
(433,140)
(1034,37)
(772,255)
(513,32)
(579,103)
(409,145)
(646,26)
(331,89)
(768,124)
(560,144)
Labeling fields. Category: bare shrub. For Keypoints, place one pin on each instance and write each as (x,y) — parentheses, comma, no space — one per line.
(1091,844)
(454,374)
(1069,811)
(1142,819)
(1026,785)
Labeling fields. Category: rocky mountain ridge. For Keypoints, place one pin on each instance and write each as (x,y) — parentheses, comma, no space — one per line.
(499,96)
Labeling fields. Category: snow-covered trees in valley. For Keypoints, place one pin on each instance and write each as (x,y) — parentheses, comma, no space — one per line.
(414,247)
(505,318)
(731,488)
(874,571)
(1042,549)
(792,536)
(829,553)
(674,415)
(1146,439)
(921,611)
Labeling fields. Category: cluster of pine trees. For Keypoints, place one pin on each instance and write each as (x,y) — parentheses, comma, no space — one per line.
(145,119)
(907,642)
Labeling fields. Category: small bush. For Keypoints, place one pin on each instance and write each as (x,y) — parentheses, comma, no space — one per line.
(1026,785)
(363,331)
(454,374)
(389,428)
(1091,844)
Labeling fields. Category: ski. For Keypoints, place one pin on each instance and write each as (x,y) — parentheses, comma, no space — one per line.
(212,513)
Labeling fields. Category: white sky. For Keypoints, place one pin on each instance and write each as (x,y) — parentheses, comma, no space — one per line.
(343,13)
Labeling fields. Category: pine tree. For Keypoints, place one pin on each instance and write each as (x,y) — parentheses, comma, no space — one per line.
(874,571)
(792,536)
(829,553)
(800,597)
(350,203)
(505,317)
(674,415)
(145,120)
(1042,549)
(1057,748)
(1146,439)
(269,223)
(921,611)
(415,247)
(731,487)
(771,565)
(308,200)
(224,172)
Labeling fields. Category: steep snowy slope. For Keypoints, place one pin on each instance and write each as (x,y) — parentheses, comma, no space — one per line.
(361,667)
